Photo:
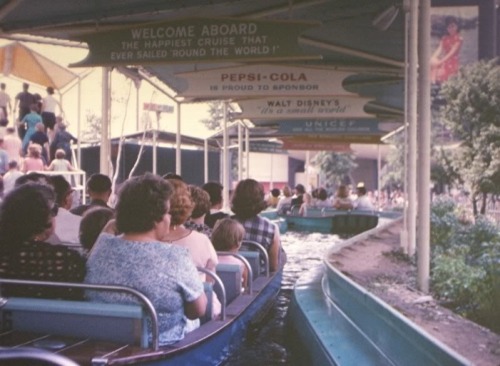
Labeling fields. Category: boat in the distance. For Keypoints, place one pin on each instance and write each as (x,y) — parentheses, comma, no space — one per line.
(331,221)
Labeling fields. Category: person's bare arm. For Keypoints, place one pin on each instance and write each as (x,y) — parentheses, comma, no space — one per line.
(274,251)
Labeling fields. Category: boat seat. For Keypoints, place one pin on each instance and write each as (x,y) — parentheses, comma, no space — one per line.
(230,275)
(80,319)
(135,324)
(253,259)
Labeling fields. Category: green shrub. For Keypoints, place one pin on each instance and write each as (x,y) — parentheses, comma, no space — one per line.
(466,264)
(460,285)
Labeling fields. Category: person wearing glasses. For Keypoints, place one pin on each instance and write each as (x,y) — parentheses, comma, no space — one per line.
(26,222)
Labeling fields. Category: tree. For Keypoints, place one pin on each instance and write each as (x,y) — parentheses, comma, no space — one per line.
(215,111)
(392,174)
(472,112)
(92,131)
(336,167)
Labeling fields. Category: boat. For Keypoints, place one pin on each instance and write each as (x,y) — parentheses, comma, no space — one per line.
(334,321)
(91,333)
(331,221)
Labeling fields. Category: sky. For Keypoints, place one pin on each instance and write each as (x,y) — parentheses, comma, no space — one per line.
(123,92)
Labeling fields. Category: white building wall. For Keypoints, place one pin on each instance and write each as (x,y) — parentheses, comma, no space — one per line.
(268,167)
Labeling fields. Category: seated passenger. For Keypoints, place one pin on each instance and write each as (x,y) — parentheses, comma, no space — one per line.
(201,208)
(67,224)
(285,202)
(363,202)
(26,221)
(214,190)
(99,190)
(273,198)
(342,200)
(322,199)
(199,245)
(248,201)
(139,259)
(305,204)
(227,237)
(93,222)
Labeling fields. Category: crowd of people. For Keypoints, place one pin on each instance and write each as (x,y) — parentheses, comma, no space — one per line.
(154,239)
(36,139)
(298,201)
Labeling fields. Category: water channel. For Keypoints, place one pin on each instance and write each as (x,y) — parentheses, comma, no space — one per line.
(267,346)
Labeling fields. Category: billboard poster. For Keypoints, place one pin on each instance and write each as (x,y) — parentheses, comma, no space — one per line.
(454,40)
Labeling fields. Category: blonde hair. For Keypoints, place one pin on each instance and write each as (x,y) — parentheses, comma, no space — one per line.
(60,154)
(227,235)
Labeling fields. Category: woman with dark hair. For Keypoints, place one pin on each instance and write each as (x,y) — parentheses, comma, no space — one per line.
(26,222)
(201,208)
(214,190)
(139,259)
(93,222)
(445,59)
(248,201)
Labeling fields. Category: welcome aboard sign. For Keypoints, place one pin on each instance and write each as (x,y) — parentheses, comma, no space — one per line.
(196,40)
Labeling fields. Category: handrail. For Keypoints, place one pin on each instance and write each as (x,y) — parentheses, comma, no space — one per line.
(149,305)
(262,250)
(34,354)
(217,279)
(249,283)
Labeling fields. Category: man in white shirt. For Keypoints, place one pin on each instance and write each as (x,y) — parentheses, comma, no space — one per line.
(5,103)
(12,144)
(363,202)
(9,178)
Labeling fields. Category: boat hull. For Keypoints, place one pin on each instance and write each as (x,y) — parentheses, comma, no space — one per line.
(333,222)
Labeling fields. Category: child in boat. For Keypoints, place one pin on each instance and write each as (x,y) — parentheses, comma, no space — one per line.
(227,237)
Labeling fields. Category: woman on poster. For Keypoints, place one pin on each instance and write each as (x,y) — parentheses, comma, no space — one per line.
(444,61)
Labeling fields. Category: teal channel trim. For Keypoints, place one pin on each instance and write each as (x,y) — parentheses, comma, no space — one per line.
(321,330)
(402,341)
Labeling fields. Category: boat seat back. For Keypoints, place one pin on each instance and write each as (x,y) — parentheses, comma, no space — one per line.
(253,259)
(80,319)
(230,275)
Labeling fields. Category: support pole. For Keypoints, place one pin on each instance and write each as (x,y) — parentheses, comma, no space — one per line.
(225,159)
(247,151)
(178,161)
(412,125)
(105,151)
(424,148)
(205,160)
(240,152)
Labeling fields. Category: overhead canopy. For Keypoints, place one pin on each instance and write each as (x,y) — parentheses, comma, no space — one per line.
(364,38)
(20,61)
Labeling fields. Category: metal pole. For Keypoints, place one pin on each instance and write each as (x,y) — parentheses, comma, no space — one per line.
(205,160)
(225,170)
(178,161)
(78,125)
(379,168)
(424,144)
(412,126)
(155,143)
(247,151)
(307,169)
(105,142)
(240,152)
